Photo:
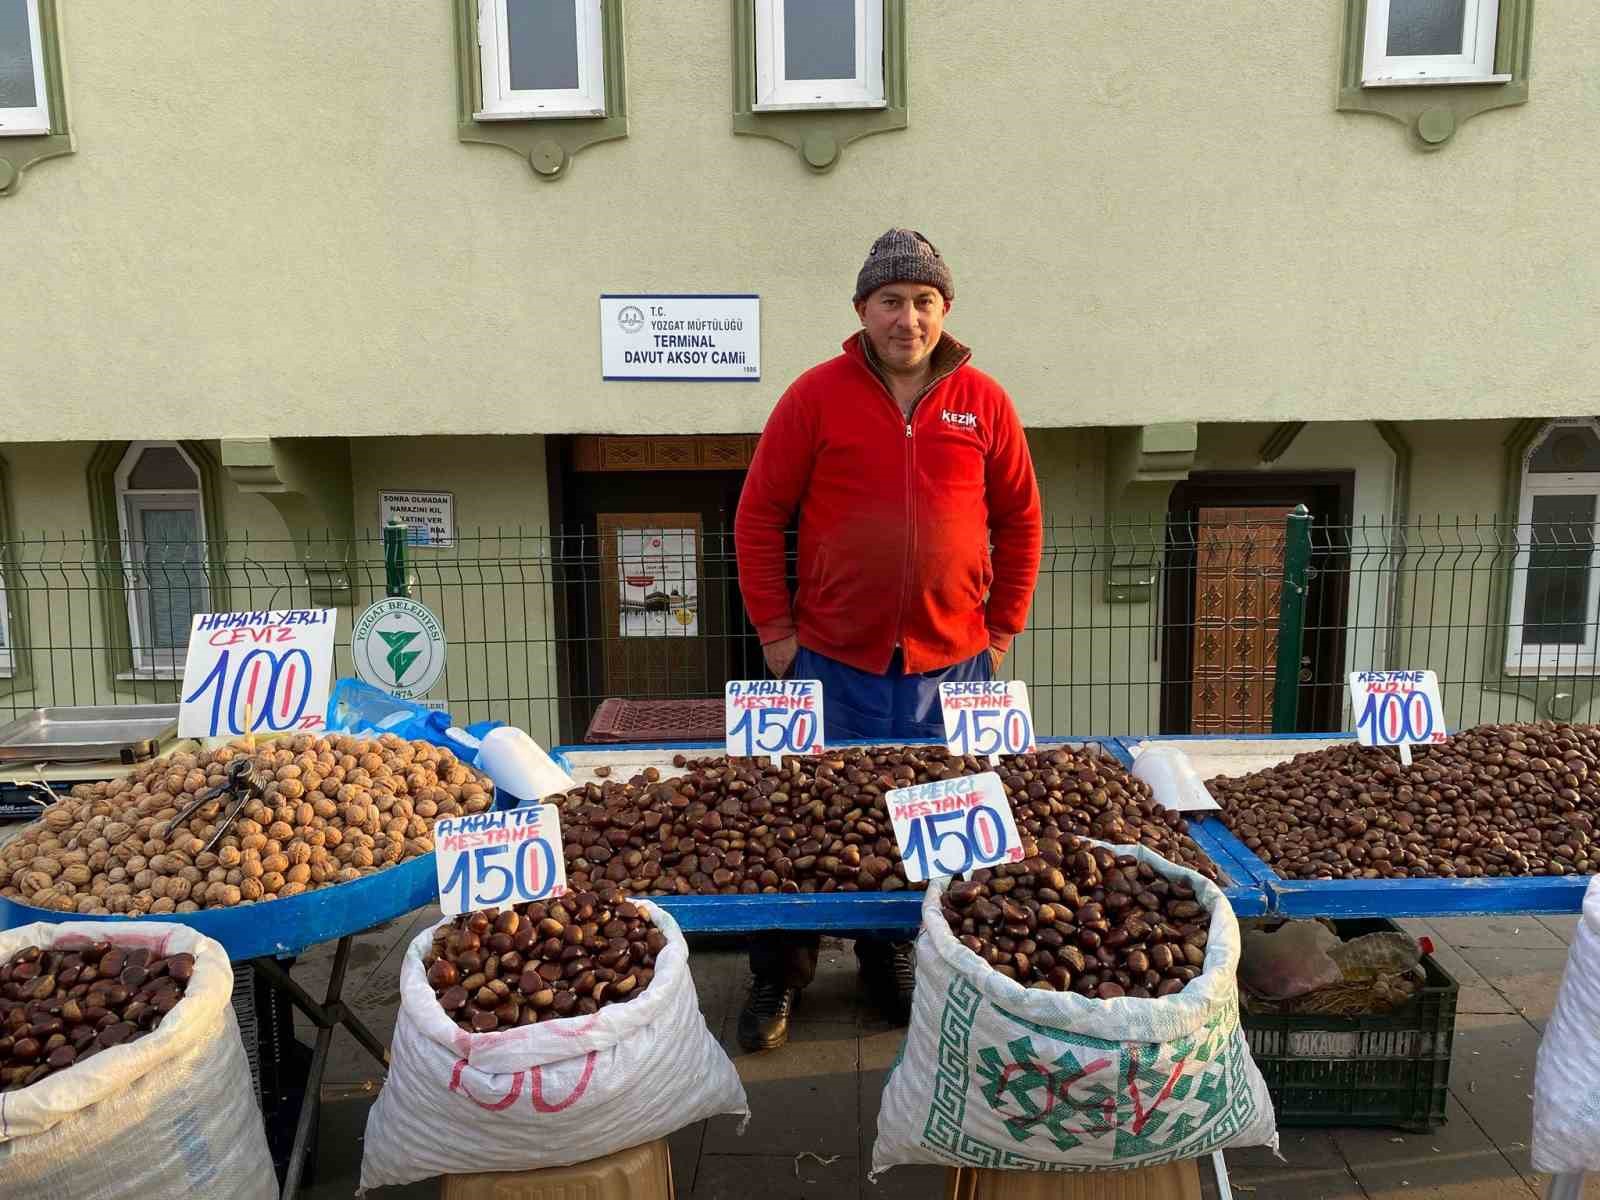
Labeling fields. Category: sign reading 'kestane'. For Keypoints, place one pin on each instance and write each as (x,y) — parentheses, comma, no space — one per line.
(704,337)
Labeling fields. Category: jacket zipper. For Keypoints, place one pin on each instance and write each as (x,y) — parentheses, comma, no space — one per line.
(911,495)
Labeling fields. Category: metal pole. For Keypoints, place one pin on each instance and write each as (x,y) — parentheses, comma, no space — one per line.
(1291,619)
(394,559)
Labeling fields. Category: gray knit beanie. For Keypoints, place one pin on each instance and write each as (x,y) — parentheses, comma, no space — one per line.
(904,256)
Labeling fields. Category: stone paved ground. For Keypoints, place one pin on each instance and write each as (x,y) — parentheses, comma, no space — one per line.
(815,1102)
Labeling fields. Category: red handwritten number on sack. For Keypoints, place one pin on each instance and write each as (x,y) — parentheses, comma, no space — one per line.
(535,1089)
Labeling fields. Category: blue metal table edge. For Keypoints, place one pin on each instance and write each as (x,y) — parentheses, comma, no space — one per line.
(1531,895)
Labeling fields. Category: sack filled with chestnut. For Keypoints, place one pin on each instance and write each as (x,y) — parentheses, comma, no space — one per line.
(1075,1009)
(121,1067)
(544,1035)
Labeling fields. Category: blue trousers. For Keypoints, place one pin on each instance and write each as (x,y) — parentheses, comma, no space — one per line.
(889,707)
(861,705)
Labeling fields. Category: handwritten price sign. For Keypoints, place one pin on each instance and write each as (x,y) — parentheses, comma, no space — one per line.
(773,717)
(990,718)
(1397,708)
(952,826)
(252,671)
(492,859)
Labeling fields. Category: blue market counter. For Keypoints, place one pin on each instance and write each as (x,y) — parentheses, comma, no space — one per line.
(1235,755)
(897,914)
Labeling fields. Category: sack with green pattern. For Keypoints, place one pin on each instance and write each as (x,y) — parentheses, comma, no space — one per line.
(993,1074)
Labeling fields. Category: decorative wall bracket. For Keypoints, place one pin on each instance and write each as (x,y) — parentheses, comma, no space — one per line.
(1143,463)
(308,481)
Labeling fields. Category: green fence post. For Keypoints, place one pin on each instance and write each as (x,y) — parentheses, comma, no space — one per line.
(394,559)
(1291,619)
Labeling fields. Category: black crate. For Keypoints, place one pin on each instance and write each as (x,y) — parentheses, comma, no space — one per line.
(1391,1069)
(279,1063)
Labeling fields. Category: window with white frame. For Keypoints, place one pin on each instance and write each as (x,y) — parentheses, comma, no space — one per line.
(1430,41)
(24,98)
(162,518)
(819,54)
(1555,589)
(541,58)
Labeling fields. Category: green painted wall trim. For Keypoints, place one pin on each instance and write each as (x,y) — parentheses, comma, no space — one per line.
(16,597)
(546,144)
(17,154)
(1554,696)
(107,530)
(308,481)
(1433,113)
(1399,514)
(819,135)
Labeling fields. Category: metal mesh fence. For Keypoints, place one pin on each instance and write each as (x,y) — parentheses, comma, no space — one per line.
(1164,626)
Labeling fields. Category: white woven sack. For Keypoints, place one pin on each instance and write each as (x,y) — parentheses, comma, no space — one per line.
(170,1116)
(1566,1104)
(993,1074)
(545,1095)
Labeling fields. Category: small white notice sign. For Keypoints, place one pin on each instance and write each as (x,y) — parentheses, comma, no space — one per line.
(255,672)
(1397,708)
(773,717)
(693,337)
(989,717)
(429,517)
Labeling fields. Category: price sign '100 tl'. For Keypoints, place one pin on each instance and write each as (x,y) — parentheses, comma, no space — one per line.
(257,672)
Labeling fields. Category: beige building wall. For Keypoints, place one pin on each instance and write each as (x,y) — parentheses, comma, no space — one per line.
(270,227)
(493,590)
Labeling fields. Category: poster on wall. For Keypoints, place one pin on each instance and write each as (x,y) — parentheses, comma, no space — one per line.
(659,582)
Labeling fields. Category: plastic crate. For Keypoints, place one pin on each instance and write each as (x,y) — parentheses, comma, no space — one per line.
(653,721)
(279,1063)
(1390,1069)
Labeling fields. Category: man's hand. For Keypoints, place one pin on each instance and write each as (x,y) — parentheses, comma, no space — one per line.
(996,657)
(780,655)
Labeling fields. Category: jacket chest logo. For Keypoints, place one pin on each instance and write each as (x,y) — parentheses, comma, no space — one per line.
(961,420)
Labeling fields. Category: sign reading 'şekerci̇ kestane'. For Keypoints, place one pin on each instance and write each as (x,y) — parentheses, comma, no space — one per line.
(707,337)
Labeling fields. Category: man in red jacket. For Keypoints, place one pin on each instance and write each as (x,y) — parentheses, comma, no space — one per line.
(904,465)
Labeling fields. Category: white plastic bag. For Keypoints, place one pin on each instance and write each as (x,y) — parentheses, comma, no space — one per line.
(169,1116)
(1566,1104)
(993,1074)
(546,1095)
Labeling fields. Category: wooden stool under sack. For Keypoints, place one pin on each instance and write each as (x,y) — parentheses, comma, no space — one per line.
(640,1173)
(1175,1181)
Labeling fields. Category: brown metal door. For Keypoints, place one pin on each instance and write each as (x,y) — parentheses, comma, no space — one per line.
(1238,574)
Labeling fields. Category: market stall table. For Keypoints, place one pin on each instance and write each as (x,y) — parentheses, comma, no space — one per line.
(1227,754)
(261,934)
(877,914)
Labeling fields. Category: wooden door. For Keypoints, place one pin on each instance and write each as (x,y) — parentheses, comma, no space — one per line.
(653,620)
(1234,640)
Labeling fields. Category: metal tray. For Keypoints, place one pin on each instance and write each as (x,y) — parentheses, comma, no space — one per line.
(90,733)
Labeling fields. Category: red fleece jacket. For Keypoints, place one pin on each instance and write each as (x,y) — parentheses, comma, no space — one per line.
(896,517)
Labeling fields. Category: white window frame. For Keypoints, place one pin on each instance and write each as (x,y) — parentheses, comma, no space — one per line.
(502,102)
(35,119)
(1475,65)
(151,661)
(775,93)
(1563,658)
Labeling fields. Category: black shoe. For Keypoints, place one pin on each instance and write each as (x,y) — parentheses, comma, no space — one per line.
(764,1020)
(890,973)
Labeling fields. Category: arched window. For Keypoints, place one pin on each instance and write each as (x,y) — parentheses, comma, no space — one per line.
(162,521)
(1554,590)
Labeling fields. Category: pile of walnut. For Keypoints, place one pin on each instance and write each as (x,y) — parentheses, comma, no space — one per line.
(334,809)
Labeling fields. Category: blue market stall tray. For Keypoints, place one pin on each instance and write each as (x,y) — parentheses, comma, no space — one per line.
(1532,894)
(889,913)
